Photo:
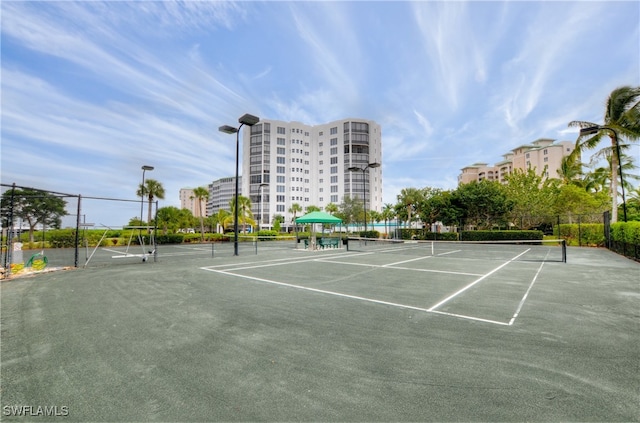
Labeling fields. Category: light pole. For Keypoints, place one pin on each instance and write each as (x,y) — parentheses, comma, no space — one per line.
(248,120)
(261,204)
(593,130)
(144,169)
(364,191)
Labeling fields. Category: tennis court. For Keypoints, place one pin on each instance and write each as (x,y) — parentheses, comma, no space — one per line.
(280,333)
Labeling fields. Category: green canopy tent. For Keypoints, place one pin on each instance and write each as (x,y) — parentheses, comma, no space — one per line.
(318,217)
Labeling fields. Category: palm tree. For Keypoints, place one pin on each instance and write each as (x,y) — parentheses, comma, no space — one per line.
(409,197)
(244,212)
(222,217)
(201,194)
(331,208)
(152,189)
(570,170)
(388,213)
(621,119)
(295,209)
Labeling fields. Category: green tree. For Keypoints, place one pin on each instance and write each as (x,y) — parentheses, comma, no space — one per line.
(167,219)
(34,207)
(294,210)
(436,206)
(483,204)
(245,216)
(570,170)
(201,194)
(532,197)
(574,201)
(621,121)
(223,218)
(152,189)
(388,214)
(349,210)
(331,208)
(277,222)
(409,199)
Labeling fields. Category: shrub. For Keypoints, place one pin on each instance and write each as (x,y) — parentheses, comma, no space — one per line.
(591,234)
(501,235)
(628,232)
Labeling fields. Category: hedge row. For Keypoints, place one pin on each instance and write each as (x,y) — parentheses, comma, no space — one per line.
(586,234)
(500,235)
(628,232)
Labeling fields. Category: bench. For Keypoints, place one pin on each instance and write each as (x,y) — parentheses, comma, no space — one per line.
(329,242)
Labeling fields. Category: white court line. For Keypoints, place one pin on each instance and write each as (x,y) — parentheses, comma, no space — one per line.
(389,266)
(276,262)
(526,294)
(407,261)
(355,297)
(321,291)
(477,319)
(455,294)
(266,263)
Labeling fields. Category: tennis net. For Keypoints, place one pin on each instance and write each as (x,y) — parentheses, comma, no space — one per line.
(521,250)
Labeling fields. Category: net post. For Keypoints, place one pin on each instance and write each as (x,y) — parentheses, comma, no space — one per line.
(564,250)
(77,240)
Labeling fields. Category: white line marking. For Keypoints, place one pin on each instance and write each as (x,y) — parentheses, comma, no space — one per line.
(321,291)
(406,261)
(526,294)
(448,252)
(276,262)
(462,316)
(452,296)
(389,266)
(355,297)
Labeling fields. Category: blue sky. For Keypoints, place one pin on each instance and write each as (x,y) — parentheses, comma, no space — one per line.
(91,91)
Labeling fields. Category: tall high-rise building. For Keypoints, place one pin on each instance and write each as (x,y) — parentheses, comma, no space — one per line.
(286,163)
(221,192)
(189,202)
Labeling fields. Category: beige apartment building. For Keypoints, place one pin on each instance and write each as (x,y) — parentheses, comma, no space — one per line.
(189,202)
(544,155)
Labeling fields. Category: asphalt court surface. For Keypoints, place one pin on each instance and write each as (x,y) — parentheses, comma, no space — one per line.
(485,290)
(289,334)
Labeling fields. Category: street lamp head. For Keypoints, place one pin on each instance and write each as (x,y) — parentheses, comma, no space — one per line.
(228,129)
(373,165)
(590,130)
(145,167)
(355,169)
(248,119)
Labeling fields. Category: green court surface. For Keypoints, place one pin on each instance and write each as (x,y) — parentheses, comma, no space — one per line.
(280,333)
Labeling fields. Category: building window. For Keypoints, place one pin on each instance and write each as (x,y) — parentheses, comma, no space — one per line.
(333,131)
